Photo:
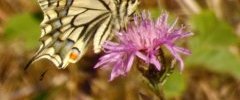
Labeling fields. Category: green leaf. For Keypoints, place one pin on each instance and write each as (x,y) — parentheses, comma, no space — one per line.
(24,27)
(155,12)
(211,43)
(210,30)
(174,85)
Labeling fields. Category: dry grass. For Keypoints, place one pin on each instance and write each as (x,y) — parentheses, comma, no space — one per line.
(81,82)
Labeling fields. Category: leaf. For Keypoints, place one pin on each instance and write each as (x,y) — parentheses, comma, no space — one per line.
(211,30)
(155,13)
(211,43)
(24,27)
(174,85)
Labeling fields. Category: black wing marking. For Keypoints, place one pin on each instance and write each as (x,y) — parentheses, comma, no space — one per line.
(69,26)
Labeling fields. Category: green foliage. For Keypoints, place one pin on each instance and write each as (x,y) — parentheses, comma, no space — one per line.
(155,13)
(210,48)
(211,44)
(43,95)
(174,85)
(24,27)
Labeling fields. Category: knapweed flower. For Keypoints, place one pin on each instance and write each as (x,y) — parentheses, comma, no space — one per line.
(143,39)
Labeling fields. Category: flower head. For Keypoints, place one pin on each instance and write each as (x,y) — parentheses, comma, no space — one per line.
(142,39)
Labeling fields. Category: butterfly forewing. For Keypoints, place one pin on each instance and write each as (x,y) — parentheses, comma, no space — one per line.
(70,25)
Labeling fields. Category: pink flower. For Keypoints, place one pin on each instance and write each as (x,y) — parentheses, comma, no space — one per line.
(143,39)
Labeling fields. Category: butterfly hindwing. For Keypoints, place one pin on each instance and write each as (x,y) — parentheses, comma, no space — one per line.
(70,25)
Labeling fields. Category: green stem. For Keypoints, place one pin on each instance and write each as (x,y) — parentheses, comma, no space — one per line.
(155,77)
(159,92)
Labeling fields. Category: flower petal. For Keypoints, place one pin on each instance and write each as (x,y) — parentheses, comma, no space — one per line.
(182,50)
(142,56)
(175,54)
(155,62)
(117,70)
(130,62)
(172,26)
(107,59)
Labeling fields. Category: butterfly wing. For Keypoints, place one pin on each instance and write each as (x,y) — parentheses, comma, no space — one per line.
(68,27)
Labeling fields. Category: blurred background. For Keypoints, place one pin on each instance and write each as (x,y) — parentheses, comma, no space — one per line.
(212,72)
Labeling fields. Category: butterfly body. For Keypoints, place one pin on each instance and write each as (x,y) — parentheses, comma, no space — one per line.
(69,26)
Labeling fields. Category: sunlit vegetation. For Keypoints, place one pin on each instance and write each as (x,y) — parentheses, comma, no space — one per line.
(212,72)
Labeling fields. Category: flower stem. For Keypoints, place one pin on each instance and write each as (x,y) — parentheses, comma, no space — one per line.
(155,77)
(158,90)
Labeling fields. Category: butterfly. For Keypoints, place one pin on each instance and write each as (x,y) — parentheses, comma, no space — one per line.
(69,26)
